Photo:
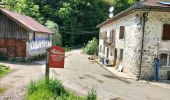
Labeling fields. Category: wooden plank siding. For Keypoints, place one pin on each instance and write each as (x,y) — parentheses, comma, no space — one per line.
(12,37)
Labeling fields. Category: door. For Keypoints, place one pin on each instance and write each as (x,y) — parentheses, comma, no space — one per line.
(107,53)
(115,57)
(20,48)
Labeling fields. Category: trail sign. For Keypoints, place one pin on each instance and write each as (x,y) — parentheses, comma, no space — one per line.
(56,57)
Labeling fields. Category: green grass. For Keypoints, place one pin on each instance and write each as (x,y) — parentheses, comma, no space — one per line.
(4,70)
(39,90)
(2,90)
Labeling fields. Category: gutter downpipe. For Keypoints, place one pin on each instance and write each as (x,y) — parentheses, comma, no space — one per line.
(145,18)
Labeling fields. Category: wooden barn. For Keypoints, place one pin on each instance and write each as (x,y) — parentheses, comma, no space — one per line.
(22,36)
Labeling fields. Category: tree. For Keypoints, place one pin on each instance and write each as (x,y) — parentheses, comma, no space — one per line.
(56,35)
(76,19)
(25,7)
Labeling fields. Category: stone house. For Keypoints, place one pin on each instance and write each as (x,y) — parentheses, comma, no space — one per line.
(22,36)
(132,39)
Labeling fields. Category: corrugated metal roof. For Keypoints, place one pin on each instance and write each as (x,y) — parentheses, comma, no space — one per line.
(27,21)
(143,4)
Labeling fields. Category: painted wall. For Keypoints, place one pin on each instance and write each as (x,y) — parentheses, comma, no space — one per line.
(38,43)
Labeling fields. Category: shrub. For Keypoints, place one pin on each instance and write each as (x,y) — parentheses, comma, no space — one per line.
(54,90)
(92,95)
(4,70)
(3,57)
(91,47)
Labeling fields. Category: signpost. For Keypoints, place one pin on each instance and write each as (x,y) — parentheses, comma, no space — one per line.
(55,59)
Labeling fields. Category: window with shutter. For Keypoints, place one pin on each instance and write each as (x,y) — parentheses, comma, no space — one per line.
(113,36)
(166,32)
(122,31)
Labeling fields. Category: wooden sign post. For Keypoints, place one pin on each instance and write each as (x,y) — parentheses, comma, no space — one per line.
(55,59)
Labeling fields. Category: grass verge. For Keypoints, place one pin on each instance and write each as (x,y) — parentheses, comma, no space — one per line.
(39,90)
(4,70)
(2,90)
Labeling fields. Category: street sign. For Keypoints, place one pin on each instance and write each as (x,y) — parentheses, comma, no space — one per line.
(56,57)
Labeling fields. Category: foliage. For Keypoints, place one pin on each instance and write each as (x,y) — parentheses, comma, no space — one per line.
(4,70)
(54,90)
(3,57)
(92,95)
(56,35)
(67,48)
(2,90)
(91,47)
(77,19)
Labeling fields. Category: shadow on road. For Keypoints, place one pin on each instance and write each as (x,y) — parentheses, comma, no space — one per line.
(116,77)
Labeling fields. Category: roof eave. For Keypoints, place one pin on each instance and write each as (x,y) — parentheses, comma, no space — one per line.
(132,9)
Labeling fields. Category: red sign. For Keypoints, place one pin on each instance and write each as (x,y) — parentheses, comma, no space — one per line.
(56,57)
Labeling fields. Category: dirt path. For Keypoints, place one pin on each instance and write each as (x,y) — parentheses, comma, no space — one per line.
(16,82)
(81,75)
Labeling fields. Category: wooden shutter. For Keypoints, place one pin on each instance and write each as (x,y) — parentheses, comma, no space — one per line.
(113,36)
(122,31)
(166,32)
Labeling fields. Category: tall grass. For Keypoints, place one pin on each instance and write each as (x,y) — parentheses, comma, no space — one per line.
(4,70)
(54,90)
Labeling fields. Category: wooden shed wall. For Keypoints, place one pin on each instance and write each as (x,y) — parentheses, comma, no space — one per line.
(13,37)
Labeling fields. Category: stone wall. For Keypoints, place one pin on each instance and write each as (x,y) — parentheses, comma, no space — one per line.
(131,43)
(153,43)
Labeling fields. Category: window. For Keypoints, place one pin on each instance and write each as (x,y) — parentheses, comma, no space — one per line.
(122,31)
(121,54)
(103,49)
(165,60)
(107,53)
(34,36)
(100,48)
(166,32)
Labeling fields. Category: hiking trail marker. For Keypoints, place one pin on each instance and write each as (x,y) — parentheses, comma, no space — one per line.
(55,59)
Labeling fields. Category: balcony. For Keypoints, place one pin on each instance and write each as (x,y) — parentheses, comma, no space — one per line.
(109,41)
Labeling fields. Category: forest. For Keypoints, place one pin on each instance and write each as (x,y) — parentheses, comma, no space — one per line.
(72,21)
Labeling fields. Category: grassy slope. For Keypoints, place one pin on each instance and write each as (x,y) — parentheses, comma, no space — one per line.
(39,90)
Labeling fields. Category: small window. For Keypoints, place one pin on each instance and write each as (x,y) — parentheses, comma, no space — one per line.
(166,32)
(103,49)
(100,48)
(34,36)
(165,60)
(121,54)
(122,31)
(169,60)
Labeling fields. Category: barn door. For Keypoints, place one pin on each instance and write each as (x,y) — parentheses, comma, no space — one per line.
(20,48)
(10,43)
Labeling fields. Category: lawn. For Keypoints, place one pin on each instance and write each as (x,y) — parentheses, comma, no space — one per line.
(4,70)
(54,90)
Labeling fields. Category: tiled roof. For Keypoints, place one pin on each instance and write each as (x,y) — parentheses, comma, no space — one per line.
(27,21)
(143,4)
(154,3)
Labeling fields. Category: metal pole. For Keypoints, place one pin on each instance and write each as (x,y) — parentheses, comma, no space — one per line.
(47,67)
(141,55)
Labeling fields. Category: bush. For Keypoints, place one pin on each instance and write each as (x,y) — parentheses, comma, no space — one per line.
(91,47)
(92,95)
(4,70)
(54,90)
(3,57)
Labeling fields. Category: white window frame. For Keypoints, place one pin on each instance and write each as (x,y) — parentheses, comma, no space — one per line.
(167,65)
